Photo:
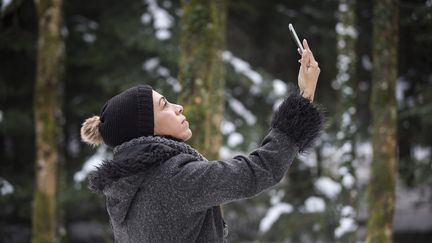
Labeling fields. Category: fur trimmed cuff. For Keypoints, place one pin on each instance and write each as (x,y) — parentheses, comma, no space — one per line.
(300,120)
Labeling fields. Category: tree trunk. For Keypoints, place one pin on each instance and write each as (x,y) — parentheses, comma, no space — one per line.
(381,190)
(46,108)
(201,71)
(345,82)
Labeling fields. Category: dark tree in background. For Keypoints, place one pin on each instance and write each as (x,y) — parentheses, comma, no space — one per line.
(381,188)
(47,111)
(201,71)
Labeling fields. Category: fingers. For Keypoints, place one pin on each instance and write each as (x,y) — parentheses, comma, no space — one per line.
(299,52)
(306,57)
(306,45)
(305,60)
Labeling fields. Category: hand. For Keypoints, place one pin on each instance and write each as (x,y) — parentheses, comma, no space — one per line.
(308,73)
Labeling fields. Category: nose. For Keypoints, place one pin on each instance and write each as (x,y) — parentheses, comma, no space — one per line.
(179,109)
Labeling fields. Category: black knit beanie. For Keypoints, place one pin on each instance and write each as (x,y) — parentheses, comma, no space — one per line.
(127,115)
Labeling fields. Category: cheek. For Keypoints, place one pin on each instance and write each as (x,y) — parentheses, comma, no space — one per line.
(165,123)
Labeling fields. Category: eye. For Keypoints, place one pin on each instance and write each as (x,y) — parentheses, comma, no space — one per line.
(165,104)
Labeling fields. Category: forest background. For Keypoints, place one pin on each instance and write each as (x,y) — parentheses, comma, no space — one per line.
(108,46)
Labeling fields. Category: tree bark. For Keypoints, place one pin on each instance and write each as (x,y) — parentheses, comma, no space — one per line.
(46,108)
(201,71)
(381,190)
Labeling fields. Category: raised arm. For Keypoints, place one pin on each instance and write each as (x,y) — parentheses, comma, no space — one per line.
(294,127)
(202,184)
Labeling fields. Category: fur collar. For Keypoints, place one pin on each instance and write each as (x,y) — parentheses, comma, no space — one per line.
(166,140)
(135,157)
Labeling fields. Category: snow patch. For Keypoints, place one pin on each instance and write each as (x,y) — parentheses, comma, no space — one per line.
(5,4)
(224,152)
(277,103)
(279,87)
(86,27)
(235,139)
(89,38)
(162,20)
(402,85)
(238,108)
(347,211)
(345,225)
(343,7)
(5,187)
(348,30)
(273,215)
(337,154)
(163,71)
(343,171)
(366,62)
(421,153)
(276,196)
(328,187)
(346,119)
(242,67)
(146,18)
(314,205)
(227,153)
(153,65)
(227,127)
(309,159)
(348,181)
(364,159)
(92,163)
(163,34)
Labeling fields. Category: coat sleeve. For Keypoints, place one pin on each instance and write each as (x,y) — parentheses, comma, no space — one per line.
(202,184)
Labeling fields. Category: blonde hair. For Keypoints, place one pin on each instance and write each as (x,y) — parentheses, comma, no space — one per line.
(90,131)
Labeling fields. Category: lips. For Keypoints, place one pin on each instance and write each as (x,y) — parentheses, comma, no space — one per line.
(185,123)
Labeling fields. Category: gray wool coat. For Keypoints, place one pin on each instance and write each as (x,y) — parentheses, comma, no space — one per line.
(158,189)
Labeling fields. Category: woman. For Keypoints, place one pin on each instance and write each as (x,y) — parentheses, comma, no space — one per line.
(159,189)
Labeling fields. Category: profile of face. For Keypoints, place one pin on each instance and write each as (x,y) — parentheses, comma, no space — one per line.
(169,118)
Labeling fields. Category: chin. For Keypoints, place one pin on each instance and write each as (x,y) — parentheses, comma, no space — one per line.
(188,136)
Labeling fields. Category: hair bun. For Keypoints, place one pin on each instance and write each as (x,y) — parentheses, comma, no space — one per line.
(90,131)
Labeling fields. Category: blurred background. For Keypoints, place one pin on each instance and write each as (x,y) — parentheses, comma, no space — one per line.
(107,46)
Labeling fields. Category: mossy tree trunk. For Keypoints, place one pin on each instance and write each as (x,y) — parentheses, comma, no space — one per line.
(381,190)
(345,82)
(201,71)
(46,110)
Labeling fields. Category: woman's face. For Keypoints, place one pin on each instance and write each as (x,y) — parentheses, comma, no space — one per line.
(168,119)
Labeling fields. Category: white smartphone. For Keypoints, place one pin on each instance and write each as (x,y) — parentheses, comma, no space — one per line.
(296,39)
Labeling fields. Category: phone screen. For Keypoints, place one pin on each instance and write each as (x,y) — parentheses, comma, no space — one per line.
(296,39)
